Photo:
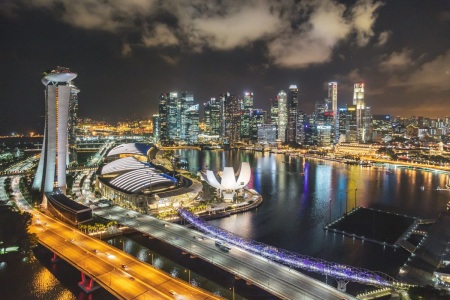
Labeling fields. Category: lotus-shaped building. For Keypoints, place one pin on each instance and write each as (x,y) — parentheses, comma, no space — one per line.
(230,181)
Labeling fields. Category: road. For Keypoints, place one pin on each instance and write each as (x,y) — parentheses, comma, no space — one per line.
(104,263)
(277,279)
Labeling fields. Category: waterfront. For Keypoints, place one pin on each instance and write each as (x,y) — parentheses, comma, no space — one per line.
(302,195)
(295,209)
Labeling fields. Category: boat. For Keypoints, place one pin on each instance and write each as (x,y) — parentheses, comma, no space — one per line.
(389,172)
(422,188)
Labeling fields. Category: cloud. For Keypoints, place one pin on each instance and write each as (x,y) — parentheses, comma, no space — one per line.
(126,50)
(433,75)
(383,38)
(234,28)
(161,35)
(364,16)
(326,26)
(396,61)
(107,15)
(293,34)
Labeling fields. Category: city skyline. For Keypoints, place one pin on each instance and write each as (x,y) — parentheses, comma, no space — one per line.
(127,56)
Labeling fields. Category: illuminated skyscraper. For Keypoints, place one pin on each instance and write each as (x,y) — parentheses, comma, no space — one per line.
(282,115)
(332,98)
(213,115)
(73,121)
(358,101)
(292,105)
(246,122)
(51,171)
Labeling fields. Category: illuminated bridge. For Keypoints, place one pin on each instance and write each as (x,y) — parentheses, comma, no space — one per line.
(294,260)
(277,279)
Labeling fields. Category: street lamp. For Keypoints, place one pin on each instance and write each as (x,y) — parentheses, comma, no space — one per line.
(346,201)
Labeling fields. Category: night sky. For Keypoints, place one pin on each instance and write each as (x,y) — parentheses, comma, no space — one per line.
(126,53)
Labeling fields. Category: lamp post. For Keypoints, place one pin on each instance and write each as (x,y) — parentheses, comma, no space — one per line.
(329,210)
(346,201)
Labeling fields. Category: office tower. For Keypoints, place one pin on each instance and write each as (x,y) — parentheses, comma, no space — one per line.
(191,116)
(282,115)
(358,101)
(351,124)
(292,105)
(301,122)
(71,126)
(213,116)
(367,125)
(163,126)
(246,107)
(382,127)
(51,171)
(173,117)
(274,111)
(248,101)
(258,117)
(341,125)
(267,133)
(332,95)
(332,100)
(232,118)
(186,102)
(156,128)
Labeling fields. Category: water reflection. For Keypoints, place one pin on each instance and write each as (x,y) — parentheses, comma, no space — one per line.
(302,195)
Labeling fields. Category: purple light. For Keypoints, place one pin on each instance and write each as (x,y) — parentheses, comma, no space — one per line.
(292,259)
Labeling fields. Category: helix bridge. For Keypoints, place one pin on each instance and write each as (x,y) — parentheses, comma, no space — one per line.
(294,260)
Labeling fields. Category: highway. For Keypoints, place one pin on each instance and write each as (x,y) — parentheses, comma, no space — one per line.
(106,264)
(121,274)
(277,279)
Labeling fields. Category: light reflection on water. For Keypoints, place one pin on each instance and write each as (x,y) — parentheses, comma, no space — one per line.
(297,206)
(31,280)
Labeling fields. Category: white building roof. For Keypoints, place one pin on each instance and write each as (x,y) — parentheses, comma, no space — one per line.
(137,180)
(228,180)
(123,164)
(130,148)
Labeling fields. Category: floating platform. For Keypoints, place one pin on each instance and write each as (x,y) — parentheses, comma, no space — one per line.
(387,229)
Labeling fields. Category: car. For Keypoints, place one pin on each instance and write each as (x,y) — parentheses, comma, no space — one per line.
(124,266)
(95,251)
(71,240)
(131,278)
(172,292)
(107,254)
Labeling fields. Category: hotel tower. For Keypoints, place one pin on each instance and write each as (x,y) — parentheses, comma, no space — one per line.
(51,171)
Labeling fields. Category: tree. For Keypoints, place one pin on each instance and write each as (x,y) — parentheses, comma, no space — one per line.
(14,230)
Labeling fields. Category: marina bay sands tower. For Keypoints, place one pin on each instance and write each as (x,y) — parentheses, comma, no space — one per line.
(51,171)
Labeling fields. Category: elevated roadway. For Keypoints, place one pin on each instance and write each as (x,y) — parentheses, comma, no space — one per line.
(277,279)
(122,275)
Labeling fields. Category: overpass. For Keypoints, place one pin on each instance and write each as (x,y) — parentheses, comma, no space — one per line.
(122,275)
(279,280)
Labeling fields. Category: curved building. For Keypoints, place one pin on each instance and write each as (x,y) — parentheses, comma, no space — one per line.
(51,171)
(229,184)
(132,182)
